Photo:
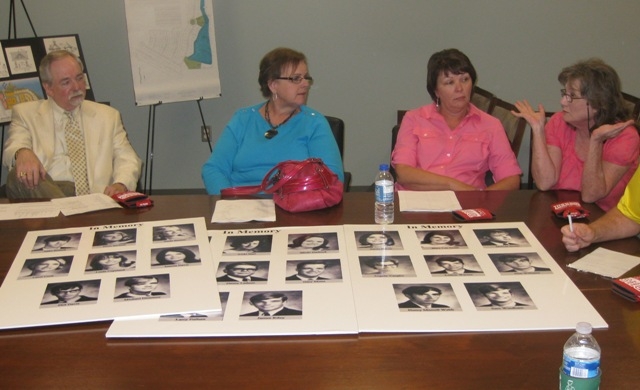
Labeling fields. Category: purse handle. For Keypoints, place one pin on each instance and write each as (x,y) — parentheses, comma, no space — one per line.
(264,186)
(282,180)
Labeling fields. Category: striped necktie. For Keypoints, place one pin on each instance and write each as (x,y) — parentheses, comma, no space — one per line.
(75,149)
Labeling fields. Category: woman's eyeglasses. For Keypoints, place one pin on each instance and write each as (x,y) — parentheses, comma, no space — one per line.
(297,79)
(568,96)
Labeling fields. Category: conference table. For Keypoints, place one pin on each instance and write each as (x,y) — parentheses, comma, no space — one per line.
(79,355)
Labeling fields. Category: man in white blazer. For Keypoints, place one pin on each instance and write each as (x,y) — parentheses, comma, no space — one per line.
(36,150)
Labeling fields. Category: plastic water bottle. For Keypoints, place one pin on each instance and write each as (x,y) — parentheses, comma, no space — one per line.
(581,355)
(384,196)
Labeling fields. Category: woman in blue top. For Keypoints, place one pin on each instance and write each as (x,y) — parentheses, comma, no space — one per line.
(282,128)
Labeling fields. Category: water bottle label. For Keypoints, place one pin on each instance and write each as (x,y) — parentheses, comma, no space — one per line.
(384,191)
(579,368)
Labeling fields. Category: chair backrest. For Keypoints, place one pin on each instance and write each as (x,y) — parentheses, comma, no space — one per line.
(633,105)
(400,115)
(394,137)
(483,99)
(513,126)
(337,128)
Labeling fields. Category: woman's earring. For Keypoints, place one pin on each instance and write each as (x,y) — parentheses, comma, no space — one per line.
(275,96)
(437,103)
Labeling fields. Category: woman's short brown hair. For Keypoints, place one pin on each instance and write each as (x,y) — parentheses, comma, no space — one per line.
(448,61)
(273,63)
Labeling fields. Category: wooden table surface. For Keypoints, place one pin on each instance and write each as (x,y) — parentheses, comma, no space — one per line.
(79,356)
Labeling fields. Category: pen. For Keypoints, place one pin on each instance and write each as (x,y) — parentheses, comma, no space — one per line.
(570,223)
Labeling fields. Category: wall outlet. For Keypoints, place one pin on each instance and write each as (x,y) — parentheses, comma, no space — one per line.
(205,133)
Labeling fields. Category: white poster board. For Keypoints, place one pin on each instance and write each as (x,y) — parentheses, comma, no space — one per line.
(386,265)
(173,50)
(535,295)
(271,259)
(102,272)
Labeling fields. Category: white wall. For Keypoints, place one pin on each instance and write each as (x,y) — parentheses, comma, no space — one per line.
(368,58)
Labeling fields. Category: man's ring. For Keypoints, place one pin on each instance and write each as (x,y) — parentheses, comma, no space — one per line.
(23,174)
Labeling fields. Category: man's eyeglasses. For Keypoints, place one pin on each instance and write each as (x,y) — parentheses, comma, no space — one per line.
(568,96)
(297,79)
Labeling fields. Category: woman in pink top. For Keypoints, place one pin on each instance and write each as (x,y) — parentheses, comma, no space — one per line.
(451,144)
(591,145)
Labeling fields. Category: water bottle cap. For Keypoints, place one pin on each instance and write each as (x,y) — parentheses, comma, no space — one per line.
(583,328)
(384,167)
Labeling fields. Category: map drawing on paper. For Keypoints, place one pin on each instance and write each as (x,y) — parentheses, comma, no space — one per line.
(172,48)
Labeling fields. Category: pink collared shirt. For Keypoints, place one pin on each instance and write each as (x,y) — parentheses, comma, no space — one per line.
(477,145)
(621,150)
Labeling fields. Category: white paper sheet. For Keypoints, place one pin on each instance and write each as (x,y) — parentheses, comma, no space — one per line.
(606,262)
(428,201)
(29,210)
(244,210)
(85,203)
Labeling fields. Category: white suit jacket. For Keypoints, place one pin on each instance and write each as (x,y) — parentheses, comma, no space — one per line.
(110,157)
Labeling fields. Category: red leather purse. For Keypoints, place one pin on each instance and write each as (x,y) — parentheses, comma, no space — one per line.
(297,186)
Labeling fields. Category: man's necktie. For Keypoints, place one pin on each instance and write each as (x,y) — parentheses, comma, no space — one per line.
(75,149)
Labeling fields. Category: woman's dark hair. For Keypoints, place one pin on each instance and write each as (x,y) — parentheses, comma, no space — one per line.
(273,63)
(601,86)
(263,242)
(124,261)
(447,61)
(60,261)
(189,256)
(428,236)
(126,236)
(363,239)
(297,242)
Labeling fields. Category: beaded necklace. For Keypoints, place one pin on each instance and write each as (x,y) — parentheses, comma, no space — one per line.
(273,131)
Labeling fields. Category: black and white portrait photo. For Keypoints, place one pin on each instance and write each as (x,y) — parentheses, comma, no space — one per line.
(453,265)
(57,242)
(499,296)
(178,256)
(109,238)
(313,243)
(238,272)
(386,266)
(142,287)
(310,271)
(111,261)
(379,240)
(46,267)
(71,293)
(247,245)
(426,297)
(519,263)
(501,237)
(272,305)
(441,239)
(183,232)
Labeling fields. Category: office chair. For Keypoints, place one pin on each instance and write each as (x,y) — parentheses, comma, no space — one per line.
(483,99)
(337,128)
